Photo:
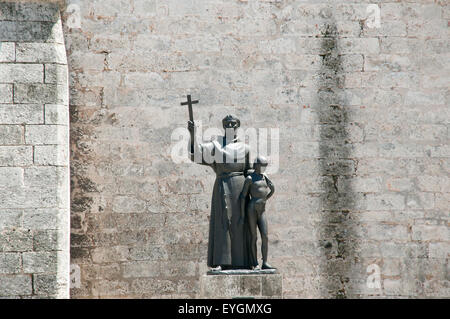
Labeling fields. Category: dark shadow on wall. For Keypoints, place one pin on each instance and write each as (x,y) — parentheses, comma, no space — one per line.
(337,225)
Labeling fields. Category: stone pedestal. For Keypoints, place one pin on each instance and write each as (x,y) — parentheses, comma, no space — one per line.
(241,284)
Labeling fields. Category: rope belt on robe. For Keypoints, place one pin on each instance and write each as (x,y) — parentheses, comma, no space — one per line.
(226,199)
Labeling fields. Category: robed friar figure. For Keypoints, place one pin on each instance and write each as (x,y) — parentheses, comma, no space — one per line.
(229,158)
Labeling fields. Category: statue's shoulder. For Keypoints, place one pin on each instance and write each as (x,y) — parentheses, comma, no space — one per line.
(249,177)
(214,138)
(211,140)
(217,140)
(210,145)
(267,178)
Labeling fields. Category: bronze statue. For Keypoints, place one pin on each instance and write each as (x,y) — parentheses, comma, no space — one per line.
(229,158)
(259,187)
(238,199)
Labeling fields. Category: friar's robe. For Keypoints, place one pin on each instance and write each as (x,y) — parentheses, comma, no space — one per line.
(227,244)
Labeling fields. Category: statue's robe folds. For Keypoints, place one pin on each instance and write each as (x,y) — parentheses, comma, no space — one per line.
(227,245)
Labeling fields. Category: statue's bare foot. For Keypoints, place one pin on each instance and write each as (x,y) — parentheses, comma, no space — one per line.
(267,266)
(218,268)
(256,267)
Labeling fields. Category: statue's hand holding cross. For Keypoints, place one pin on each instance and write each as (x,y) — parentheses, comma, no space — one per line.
(191,125)
(189,103)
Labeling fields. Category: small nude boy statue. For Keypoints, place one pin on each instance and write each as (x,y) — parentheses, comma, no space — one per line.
(260,189)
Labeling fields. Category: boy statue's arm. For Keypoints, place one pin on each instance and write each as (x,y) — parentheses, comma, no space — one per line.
(272,188)
(243,196)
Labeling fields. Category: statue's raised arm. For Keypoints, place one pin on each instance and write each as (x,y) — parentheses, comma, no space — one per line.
(194,146)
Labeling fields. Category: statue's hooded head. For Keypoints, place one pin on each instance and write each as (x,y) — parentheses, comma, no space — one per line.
(261,160)
(260,163)
(230,121)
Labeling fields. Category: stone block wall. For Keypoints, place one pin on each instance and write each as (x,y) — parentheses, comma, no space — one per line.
(363,182)
(34,177)
(361,208)
(241,286)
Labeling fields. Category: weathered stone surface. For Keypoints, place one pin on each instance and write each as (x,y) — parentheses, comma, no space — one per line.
(7,51)
(41,176)
(6,93)
(26,31)
(51,155)
(363,171)
(10,263)
(41,53)
(49,240)
(22,73)
(12,240)
(11,177)
(56,73)
(10,219)
(38,262)
(234,286)
(46,286)
(45,134)
(272,286)
(21,114)
(41,219)
(11,134)
(28,11)
(18,285)
(56,114)
(34,178)
(41,93)
(16,155)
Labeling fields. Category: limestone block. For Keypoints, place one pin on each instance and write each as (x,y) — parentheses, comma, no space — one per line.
(241,286)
